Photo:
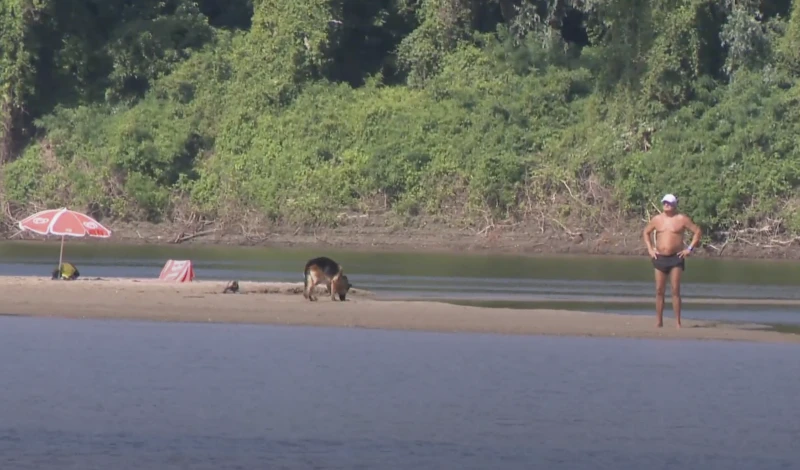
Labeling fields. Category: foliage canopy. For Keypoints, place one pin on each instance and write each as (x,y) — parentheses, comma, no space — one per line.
(303,109)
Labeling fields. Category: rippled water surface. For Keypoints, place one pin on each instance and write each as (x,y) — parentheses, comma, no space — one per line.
(81,394)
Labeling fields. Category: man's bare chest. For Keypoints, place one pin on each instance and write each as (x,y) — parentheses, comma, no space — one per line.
(670,227)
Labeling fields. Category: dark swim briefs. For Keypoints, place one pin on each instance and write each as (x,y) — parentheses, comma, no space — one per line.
(665,263)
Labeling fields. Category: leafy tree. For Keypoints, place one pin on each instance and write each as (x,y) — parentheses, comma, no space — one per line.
(461,110)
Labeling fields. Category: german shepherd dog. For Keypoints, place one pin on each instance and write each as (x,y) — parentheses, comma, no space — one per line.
(325,270)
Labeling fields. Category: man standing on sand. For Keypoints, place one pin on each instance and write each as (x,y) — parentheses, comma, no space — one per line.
(668,255)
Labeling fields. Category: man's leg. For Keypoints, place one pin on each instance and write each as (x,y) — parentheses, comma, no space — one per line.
(661,287)
(675,287)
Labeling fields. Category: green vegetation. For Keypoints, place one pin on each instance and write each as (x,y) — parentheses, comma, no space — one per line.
(505,110)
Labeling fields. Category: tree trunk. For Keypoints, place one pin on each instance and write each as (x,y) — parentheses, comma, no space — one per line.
(6,132)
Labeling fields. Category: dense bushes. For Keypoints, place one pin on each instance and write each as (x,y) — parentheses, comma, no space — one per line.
(473,117)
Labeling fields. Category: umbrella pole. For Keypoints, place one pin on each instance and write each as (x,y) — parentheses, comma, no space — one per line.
(61,255)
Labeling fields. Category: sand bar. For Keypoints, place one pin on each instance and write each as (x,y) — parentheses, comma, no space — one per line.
(283,304)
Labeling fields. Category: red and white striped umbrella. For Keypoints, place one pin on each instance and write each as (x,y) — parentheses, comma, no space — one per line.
(65,223)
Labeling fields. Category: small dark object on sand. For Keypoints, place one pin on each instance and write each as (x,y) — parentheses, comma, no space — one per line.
(232,287)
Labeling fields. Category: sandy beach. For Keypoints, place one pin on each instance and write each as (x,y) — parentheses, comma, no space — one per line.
(283,304)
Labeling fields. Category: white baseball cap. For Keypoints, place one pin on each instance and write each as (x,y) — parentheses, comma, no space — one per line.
(670,198)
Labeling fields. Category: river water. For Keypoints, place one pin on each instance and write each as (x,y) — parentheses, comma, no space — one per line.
(128,395)
(131,395)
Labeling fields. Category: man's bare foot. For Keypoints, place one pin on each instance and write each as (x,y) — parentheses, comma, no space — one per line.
(678,326)
(659,325)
